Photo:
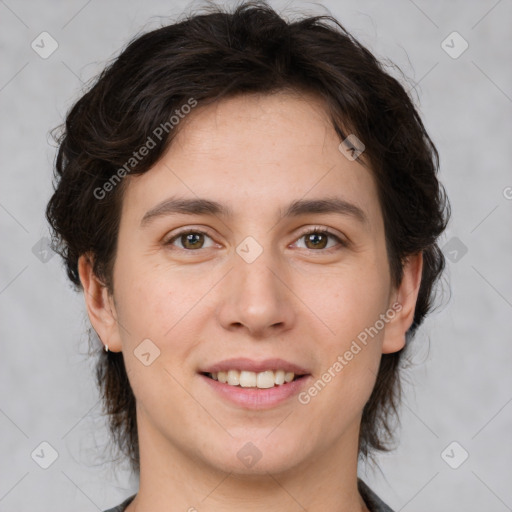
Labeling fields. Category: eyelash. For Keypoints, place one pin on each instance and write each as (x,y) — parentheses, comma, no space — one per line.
(316,229)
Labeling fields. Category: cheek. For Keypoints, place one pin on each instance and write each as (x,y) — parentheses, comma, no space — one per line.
(162,304)
(345,301)
(153,315)
(152,298)
(351,350)
(353,308)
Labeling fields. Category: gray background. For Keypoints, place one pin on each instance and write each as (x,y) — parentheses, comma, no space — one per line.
(459,385)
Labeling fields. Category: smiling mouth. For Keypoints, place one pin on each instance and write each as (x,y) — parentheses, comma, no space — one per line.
(258,380)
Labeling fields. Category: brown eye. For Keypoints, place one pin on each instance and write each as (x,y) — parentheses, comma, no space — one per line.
(192,240)
(189,240)
(318,239)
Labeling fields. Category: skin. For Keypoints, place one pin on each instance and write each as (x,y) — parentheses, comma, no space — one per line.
(200,305)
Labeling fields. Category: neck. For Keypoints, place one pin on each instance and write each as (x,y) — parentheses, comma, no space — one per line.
(171,476)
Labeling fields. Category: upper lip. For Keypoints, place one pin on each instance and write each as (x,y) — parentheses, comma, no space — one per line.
(251,365)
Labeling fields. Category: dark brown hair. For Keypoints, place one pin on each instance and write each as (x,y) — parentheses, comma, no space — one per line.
(214,55)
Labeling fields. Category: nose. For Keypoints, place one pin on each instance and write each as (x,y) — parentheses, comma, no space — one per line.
(257,298)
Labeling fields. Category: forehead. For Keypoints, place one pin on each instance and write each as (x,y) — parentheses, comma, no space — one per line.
(254,151)
(270,125)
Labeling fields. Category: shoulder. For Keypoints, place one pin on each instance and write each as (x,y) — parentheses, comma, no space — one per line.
(122,506)
(373,502)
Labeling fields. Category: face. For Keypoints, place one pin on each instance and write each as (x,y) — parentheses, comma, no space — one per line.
(241,283)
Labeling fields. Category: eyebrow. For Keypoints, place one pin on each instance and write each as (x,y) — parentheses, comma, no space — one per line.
(199,206)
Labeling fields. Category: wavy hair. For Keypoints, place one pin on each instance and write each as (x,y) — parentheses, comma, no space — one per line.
(213,55)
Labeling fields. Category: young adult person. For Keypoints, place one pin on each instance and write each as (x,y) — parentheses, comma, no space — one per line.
(251,207)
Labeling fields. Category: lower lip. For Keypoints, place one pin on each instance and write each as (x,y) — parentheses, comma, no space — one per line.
(255,398)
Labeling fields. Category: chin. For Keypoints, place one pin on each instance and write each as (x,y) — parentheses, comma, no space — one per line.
(253,455)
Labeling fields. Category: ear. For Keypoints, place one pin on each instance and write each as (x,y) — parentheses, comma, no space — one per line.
(100,305)
(404,302)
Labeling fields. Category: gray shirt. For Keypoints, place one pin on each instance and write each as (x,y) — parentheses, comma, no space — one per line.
(373,502)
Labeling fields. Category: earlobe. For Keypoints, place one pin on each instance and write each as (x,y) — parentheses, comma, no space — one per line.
(406,298)
(100,305)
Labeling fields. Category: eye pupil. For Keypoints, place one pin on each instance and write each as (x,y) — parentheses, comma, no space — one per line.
(313,237)
(192,239)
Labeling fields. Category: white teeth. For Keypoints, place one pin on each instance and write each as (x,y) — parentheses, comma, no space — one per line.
(265,380)
(233,378)
(246,379)
(279,377)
